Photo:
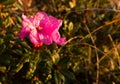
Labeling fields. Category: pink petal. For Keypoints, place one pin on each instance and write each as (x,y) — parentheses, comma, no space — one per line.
(57,39)
(34,38)
(37,19)
(55,23)
(27,26)
(50,23)
(46,39)
(23,34)
(27,23)
(41,29)
(62,41)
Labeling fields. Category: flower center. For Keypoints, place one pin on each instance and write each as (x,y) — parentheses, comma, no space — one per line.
(38,45)
(39,28)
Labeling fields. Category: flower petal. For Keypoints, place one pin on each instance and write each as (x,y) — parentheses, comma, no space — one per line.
(46,39)
(34,37)
(37,19)
(41,29)
(54,23)
(57,39)
(50,24)
(27,26)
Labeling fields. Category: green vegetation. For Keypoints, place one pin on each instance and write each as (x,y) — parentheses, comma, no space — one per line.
(90,56)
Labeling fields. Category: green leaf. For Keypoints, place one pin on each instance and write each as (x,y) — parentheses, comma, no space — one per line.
(59,78)
(68,74)
(25,45)
(30,72)
(19,6)
(18,67)
(1,41)
(19,19)
(2,69)
(55,58)
(65,59)
(7,2)
(64,62)
(18,52)
(70,26)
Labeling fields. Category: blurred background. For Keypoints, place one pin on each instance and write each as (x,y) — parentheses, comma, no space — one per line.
(90,56)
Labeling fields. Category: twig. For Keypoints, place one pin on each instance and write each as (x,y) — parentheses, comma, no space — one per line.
(107,53)
(68,41)
(98,9)
(97,29)
(116,50)
(92,46)
(96,52)
(101,27)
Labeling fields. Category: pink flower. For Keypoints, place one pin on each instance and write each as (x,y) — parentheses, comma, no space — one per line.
(41,29)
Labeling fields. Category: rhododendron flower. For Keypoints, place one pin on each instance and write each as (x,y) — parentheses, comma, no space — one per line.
(41,29)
